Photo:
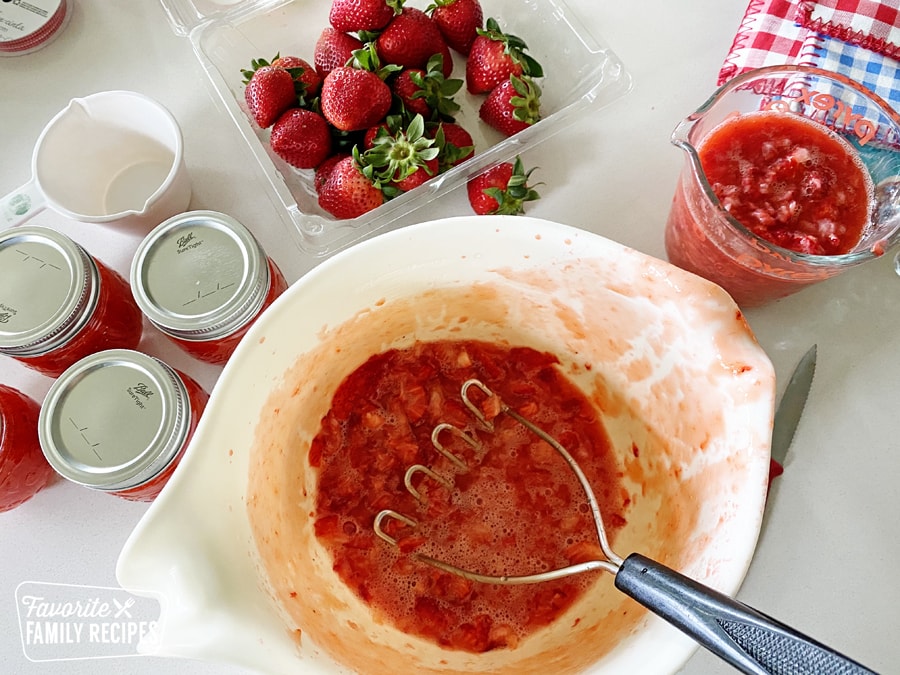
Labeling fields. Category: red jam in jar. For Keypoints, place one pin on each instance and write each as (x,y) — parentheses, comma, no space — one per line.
(119,421)
(23,470)
(202,279)
(58,304)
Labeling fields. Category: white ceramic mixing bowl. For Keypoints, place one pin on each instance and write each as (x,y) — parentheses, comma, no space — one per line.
(665,356)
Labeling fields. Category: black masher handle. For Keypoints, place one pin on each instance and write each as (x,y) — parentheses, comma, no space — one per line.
(747,639)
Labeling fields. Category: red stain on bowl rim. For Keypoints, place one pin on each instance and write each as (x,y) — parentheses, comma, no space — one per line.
(25,28)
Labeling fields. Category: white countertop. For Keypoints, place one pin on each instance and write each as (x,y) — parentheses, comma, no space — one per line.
(827,557)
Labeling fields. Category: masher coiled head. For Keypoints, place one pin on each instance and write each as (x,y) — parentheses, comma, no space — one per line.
(610,562)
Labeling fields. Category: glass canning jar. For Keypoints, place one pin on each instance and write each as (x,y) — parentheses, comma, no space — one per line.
(202,279)
(58,303)
(23,470)
(119,421)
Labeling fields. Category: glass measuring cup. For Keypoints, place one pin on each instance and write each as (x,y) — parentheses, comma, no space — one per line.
(702,235)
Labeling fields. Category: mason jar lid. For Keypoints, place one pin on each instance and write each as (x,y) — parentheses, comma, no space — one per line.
(49,287)
(200,276)
(114,420)
(26,27)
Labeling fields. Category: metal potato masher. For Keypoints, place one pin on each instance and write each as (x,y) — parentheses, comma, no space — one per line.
(744,637)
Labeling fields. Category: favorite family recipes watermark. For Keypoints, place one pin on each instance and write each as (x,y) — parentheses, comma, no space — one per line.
(63,622)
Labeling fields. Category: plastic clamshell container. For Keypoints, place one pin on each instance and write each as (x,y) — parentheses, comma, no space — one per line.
(184,15)
(581,74)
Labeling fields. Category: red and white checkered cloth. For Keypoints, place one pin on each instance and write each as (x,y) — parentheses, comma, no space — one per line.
(860,40)
(768,36)
(867,23)
(798,31)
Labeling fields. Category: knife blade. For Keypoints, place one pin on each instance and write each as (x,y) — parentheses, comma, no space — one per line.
(789,411)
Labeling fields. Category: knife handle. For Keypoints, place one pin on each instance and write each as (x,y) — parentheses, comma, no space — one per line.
(747,639)
(775,470)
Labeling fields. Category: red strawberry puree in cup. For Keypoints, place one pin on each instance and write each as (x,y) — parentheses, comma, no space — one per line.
(790,178)
(789,181)
(786,180)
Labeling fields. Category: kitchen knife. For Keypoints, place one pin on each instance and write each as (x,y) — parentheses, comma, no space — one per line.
(787,416)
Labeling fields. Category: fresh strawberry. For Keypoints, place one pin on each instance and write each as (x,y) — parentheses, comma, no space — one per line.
(421,175)
(458,21)
(302,72)
(333,49)
(349,16)
(408,86)
(410,39)
(495,56)
(348,192)
(447,62)
(307,81)
(512,105)
(371,134)
(269,93)
(427,92)
(301,138)
(354,99)
(501,189)
(403,160)
(391,125)
(455,144)
(323,171)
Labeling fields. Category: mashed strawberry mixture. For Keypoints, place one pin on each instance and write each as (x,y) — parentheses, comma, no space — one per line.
(790,181)
(515,509)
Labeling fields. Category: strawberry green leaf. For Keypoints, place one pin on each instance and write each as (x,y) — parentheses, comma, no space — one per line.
(526,106)
(396,5)
(514,46)
(256,64)
(396,157)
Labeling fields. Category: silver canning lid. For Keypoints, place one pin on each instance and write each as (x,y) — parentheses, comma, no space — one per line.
(114,420)
(49,287)
(200,276)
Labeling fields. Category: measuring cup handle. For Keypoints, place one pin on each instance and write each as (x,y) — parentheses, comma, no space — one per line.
(22,204)
(747,639)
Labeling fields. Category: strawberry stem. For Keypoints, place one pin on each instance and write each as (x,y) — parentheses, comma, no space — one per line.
(511,201)
(514,46)
(394,158)
(527,105)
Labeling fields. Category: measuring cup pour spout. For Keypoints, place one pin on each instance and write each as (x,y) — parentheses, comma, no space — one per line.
(688,134)
(682,138)
(114,157)
(681,133)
